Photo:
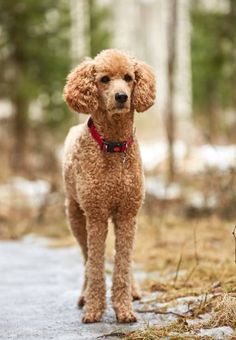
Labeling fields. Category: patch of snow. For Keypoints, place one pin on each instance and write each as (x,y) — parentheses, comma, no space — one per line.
(6,109)
(218,156)
(36,240)
(154,154)
(150,297)
(22,192)
(198,200)
(156,187)
(36,110)
(217,333)
(182,306)
(191,159)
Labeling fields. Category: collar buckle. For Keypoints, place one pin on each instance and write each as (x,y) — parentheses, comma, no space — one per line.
(113,146)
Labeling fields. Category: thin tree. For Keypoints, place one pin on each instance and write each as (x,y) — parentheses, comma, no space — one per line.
(232,35)
(214,69)
(99,27)
(170,110)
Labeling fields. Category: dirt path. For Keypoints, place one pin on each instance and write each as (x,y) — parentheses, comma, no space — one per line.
(39,287)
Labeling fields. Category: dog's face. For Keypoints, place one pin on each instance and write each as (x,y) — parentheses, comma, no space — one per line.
(115,79)
(113,82)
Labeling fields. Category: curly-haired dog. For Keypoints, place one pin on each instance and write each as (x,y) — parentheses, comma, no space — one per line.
(103,172)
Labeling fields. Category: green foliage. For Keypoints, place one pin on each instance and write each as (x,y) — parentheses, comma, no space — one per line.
(99,27)
(34,57)
(213,62)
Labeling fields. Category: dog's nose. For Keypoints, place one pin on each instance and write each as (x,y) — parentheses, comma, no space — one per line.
(121,97)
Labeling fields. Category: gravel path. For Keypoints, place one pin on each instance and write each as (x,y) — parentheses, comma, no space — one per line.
(39,287)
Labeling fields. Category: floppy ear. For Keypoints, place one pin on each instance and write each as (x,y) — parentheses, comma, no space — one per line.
(80,91)
(144,93)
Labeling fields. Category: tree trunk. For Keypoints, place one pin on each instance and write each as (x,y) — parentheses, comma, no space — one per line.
(232,18)
(170,112)
(20,125)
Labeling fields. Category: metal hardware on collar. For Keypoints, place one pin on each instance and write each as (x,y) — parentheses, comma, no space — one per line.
(108,146)
(124,157)
(113,147)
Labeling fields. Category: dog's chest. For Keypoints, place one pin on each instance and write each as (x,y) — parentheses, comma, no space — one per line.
(112,178)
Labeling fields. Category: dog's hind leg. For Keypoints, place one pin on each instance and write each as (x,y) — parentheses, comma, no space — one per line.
(77,221)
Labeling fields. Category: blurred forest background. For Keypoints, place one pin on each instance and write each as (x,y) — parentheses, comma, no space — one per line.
(188,139)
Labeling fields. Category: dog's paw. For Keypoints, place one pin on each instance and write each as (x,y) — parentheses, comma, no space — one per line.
(126,316)
(91,317)
(81,301)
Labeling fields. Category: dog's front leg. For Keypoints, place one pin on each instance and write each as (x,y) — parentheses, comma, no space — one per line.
(95,295)
(121,289)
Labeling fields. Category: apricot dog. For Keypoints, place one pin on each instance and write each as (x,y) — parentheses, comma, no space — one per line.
(103,172)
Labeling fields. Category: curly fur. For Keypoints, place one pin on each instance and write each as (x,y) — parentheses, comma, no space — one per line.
(100,185)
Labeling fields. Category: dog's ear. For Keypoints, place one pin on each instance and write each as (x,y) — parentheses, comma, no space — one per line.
(80,91)
(144,93)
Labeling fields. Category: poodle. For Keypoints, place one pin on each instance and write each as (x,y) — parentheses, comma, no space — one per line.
(103,173)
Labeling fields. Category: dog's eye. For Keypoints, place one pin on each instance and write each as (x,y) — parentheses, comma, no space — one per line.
(128,78)
(105,79)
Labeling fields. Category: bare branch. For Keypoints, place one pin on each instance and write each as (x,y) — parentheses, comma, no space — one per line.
(157,311)
(179,264)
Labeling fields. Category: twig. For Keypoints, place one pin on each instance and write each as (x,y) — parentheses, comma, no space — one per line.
(200,308)
(203,301)
(195,244)
(156,311)
(234,235)
(115,334)
(195,255)
(191,273)
(178,266)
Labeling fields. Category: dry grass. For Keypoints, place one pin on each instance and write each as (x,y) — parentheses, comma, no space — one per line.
(193,254)
(174,330)
(224,313)
(190,258)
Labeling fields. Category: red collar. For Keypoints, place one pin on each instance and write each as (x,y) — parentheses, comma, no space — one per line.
(105,145)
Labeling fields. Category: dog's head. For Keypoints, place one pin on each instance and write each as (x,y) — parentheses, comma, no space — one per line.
(113,82)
